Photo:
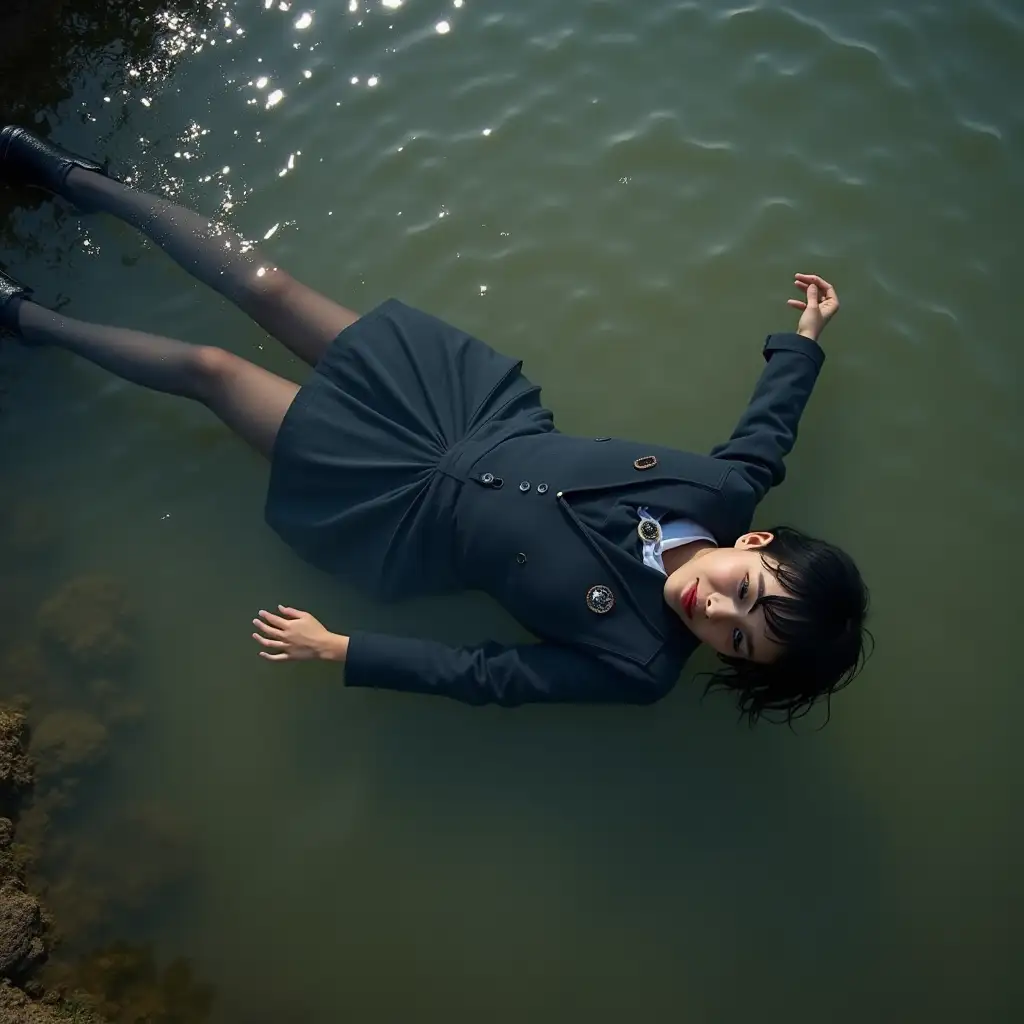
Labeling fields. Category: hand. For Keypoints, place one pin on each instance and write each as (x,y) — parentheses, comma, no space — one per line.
(297,636)
(822,304)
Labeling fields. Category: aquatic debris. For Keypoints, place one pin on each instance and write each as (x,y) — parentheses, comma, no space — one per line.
(125,984)
(67,741)
(17,1008)
(88,620)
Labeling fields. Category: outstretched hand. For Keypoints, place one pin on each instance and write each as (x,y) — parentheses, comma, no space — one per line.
(295,635)
(821,305)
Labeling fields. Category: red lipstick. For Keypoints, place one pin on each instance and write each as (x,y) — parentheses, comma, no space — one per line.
(689,599)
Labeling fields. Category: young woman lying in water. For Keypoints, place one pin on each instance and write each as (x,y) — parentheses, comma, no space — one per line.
(416,459)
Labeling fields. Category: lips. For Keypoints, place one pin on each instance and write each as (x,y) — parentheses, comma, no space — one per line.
(689,599)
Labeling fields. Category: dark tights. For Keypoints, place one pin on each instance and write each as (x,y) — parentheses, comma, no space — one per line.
(250,400)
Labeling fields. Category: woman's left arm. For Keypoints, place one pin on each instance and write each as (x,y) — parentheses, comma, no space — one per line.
(767,431)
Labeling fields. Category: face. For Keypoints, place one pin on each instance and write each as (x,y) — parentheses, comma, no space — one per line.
(714,594)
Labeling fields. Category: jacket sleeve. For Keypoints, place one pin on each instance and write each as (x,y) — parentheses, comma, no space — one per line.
(767,430)
(495,674)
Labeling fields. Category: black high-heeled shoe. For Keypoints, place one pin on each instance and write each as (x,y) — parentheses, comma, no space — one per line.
(29,160)
(9,291)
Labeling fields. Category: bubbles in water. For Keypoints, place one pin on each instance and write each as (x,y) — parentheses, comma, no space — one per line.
(443,28)
(304,21)
(274,98)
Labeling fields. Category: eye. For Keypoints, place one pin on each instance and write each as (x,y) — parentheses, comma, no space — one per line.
(745,586)
(737,640)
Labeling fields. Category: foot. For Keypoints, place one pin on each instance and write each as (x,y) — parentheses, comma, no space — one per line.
(11,293)
(29,160)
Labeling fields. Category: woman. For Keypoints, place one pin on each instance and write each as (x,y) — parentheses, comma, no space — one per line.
(417,459)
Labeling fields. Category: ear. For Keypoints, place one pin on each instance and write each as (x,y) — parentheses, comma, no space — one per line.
(753,541)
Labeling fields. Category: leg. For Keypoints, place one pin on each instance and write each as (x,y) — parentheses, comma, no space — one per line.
(250,400)
(299,317)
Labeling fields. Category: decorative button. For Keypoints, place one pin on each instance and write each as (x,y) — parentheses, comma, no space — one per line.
(649,531)
(559,494)
(542,488)
(487,478)
(600,599)
(646,462)
(521,558)
(524,486)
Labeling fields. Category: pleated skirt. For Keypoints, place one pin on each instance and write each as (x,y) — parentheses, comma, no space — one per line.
(357,484)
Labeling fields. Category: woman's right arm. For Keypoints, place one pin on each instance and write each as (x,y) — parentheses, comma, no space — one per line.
(492,673)
(488,673)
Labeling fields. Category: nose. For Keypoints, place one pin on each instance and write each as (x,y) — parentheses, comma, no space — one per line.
(718,606)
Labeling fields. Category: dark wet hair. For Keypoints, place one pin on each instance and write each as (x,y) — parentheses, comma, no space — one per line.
(820,624)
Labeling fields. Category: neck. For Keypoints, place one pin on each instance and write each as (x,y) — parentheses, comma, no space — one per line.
(675,558)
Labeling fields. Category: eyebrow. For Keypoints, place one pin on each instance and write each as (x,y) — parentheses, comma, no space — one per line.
(753,607)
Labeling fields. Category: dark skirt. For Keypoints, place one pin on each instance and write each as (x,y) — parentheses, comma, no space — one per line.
(361,481)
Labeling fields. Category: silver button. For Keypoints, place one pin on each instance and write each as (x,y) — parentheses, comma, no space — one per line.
(524,486)
(542,488)
(600,599)
(521,558)
(487,478)
(559,494)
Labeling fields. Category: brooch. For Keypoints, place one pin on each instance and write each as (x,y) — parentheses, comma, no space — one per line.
(649,531)
(600,599)
(645,462)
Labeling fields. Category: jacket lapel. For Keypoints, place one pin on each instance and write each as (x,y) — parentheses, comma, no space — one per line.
(608,519)
(641,586)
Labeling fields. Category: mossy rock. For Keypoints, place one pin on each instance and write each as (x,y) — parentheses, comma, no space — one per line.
(16,773)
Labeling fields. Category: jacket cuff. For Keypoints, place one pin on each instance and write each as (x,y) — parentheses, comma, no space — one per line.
(363,659)
(792,342)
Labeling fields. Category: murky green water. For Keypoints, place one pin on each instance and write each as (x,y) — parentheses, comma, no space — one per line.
(618,193)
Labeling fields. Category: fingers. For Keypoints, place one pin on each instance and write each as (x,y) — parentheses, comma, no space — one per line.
(274,620)
(291,613)
(267,642)
(269,630)
(803,280)
(797,304)
(273,657)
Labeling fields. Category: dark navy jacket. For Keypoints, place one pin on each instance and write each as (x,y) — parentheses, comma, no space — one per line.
(541,550)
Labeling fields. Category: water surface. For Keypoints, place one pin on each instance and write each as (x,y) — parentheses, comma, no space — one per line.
(617,194)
